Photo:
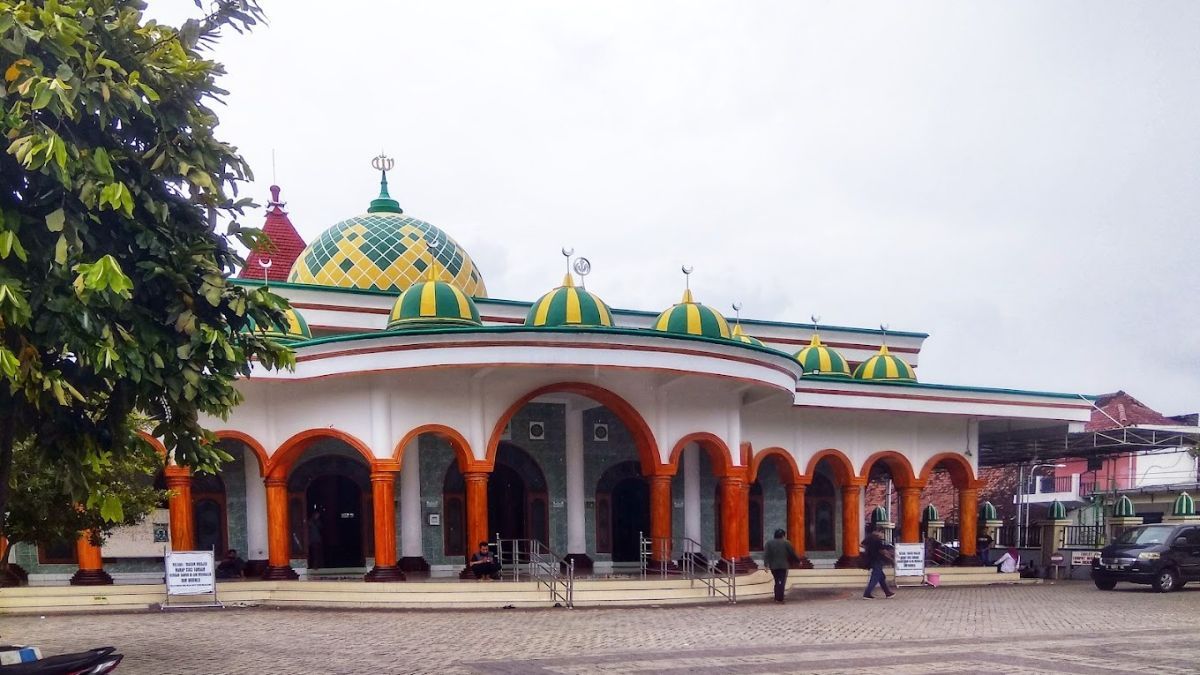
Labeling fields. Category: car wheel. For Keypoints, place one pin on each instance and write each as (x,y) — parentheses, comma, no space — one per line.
(1105,585)
(1166,580)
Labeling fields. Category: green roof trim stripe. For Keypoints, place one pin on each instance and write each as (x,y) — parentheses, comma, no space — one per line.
(630,312)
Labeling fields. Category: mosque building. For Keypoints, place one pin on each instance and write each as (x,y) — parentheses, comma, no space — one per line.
(424,416)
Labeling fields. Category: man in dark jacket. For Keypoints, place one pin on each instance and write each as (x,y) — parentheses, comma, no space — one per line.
(876,554)
(777,556)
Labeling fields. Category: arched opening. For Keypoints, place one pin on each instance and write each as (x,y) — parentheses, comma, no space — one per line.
(518,506)
(771,472)
(330,513)
(949,485)
(208,513)
(820,519)
(334,522)
(622,512)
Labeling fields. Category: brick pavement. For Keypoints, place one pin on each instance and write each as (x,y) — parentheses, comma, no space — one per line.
(1064,628)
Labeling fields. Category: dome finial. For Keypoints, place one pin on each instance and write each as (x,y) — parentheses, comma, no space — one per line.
(568,282)
(384,202)
(687,282)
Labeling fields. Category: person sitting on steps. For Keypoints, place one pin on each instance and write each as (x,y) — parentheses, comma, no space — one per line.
(483,563)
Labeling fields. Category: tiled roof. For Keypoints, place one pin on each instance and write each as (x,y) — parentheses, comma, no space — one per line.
(1119,409)
(286,244)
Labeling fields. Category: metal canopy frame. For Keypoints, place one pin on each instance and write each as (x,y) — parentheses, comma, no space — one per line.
(1016,447)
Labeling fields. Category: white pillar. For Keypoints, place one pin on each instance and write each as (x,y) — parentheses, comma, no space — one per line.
(691,493)
(256,509)
(410,502)
(576,541)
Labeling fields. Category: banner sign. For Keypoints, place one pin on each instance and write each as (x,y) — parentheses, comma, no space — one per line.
(191,573)
(910,560)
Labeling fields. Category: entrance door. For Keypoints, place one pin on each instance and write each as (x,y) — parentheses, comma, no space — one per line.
(209,520)
(630,516)
(506,504)
(335,527)
(819,514)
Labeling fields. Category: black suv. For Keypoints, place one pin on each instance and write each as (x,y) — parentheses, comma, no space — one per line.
(1165,556)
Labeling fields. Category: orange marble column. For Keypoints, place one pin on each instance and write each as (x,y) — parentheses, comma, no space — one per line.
(735,522)
(660,518)
(910,515)
(968,499)
(851,518)
(795,523)
(91,565)
(477,509)
(183,522)
(279,563)
(383,500)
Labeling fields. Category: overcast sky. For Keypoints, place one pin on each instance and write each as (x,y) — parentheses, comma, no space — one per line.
(1021,180)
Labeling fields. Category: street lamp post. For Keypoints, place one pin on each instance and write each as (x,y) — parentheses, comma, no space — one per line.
(1022,538)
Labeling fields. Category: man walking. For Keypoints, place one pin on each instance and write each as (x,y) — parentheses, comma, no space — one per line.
(876,552)
(777,555)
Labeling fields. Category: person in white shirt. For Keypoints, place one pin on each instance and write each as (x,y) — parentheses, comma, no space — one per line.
(1009,562)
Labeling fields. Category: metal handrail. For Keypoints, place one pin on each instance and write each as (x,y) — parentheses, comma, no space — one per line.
(695,564)
(542,565)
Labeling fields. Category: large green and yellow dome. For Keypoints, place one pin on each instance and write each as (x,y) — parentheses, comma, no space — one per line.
(569,306)
(817,359)
(385,250)
(883,367)
(293,328)
(433,303)
(688,317)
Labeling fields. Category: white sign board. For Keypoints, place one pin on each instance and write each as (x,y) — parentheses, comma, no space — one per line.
(191,573)
(1084,558)
(144,540)
(910,560)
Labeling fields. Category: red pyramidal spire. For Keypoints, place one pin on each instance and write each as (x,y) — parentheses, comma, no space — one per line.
(274,261)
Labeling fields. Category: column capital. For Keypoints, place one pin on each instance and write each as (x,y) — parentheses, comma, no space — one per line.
(177,476)
(475,476)
(385,465)
(385,477)
(275,481)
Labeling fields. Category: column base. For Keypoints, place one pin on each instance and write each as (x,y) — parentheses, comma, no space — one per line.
(803,564)
(91,578)
(668,567)
(14,575)
(280,573)
(582,562)
(414,564)
(848,562)
(741,565)
(255,568)
(389,573)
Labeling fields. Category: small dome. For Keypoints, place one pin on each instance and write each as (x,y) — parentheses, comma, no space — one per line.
(1124,508)
(293,329)
(688,317)
(433,303)
(987,511)
(817,359)
(879,515)
(384,250)
(568,305)
(883,367)
(930,513)
(738,334)
(1057,511)
(1184,505)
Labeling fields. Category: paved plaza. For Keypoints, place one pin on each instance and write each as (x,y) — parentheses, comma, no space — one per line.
(1063,628)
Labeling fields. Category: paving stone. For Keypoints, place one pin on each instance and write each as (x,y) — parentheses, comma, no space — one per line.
(1062,628)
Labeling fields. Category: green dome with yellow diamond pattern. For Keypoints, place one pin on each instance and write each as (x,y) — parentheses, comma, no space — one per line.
(740,335)
(384,250)
(688,317)
(293,329)
(883,367)
(568,305)
(433,303)
(817,359)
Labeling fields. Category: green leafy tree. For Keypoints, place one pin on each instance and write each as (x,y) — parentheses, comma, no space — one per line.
(40,511)
(113,278)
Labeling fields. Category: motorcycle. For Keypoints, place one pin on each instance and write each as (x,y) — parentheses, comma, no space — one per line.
(97,661)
